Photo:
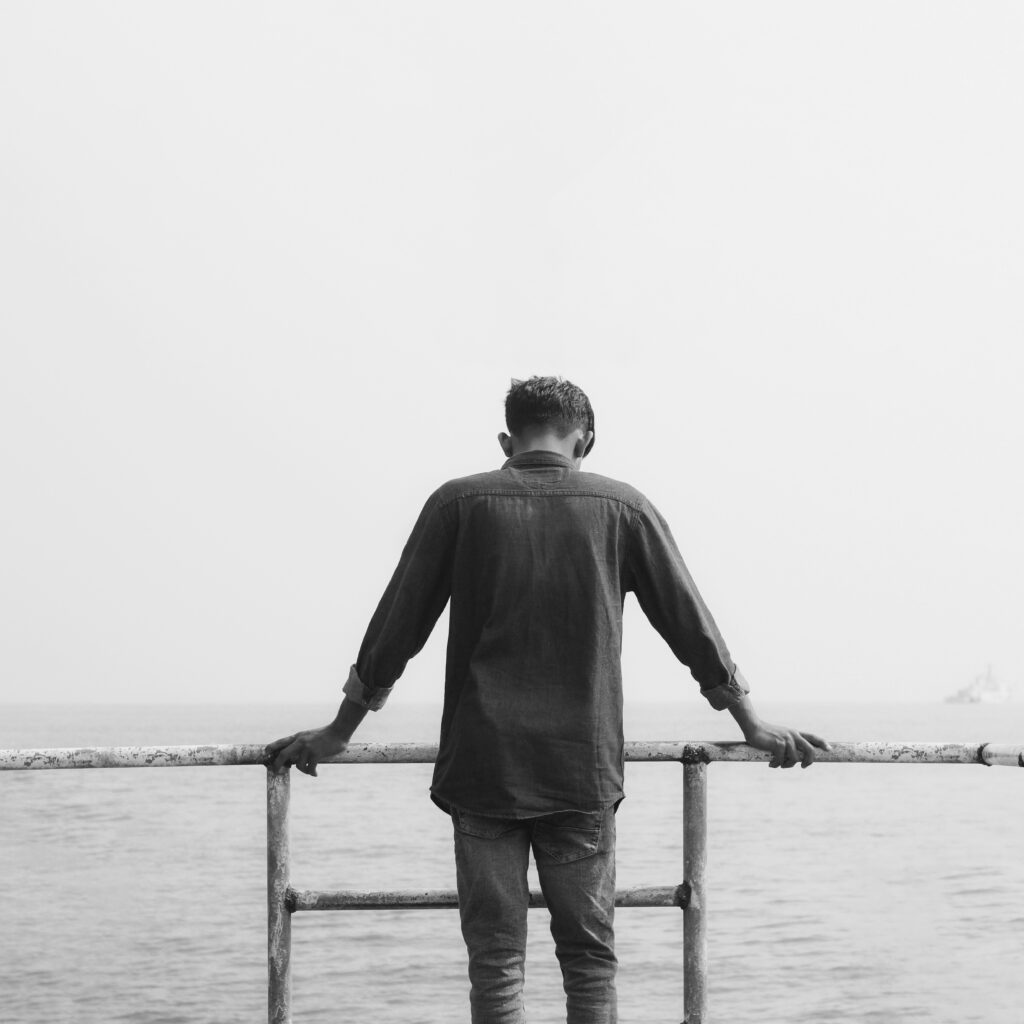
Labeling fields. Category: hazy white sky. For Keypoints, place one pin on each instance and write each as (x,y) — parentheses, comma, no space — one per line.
(268,268)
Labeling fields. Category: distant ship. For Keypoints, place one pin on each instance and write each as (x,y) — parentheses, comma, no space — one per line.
(985,689)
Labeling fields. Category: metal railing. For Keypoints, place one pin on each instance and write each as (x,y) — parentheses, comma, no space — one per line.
(283,900)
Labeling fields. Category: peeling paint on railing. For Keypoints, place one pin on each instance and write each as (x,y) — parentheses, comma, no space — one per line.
(686,752)
(131,757)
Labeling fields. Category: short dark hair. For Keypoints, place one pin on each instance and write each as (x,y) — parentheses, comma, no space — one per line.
(548,402)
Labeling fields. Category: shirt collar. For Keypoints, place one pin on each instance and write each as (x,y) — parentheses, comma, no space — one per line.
(534,459)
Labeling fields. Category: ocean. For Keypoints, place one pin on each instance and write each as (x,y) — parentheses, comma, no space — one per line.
(860,893)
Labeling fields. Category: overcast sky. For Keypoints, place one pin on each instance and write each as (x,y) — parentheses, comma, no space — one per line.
(267,270)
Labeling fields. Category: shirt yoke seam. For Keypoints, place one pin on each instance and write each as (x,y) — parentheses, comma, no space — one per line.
(577,492)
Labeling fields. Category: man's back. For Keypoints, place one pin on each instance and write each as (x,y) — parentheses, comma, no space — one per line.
(533,690)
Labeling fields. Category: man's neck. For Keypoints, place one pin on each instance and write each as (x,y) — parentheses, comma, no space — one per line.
(572,447)
(545,443)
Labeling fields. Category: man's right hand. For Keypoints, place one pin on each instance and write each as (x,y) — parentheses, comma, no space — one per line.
(305,749)
(787,746)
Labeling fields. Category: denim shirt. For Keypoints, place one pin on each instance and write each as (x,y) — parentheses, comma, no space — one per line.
(537,559)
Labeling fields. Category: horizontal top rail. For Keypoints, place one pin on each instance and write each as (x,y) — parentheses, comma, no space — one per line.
(685,751)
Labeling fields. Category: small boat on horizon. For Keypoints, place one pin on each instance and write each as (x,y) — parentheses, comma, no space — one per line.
(985,689)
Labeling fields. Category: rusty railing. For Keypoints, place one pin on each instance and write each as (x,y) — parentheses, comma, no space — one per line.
(283,900)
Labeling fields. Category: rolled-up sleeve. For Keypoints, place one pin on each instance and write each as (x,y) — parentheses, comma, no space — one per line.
(359,693)
(407,611)
(670,600)
(726,694)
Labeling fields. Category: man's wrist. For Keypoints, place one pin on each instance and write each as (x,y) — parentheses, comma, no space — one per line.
(745,716)
(347,720)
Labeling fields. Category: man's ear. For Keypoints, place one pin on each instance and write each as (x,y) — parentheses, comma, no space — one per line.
(506,444)
(583,444)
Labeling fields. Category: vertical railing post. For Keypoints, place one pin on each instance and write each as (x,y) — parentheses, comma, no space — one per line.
(279,918)
(695,858)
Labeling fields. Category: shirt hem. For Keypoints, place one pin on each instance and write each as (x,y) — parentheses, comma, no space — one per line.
(520,815)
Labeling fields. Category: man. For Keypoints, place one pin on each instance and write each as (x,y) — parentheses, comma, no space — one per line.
(537,558)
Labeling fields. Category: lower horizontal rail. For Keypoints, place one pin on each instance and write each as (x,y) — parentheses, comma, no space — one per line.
(443,899)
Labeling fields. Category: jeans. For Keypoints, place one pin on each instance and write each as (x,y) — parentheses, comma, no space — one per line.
(575,856)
